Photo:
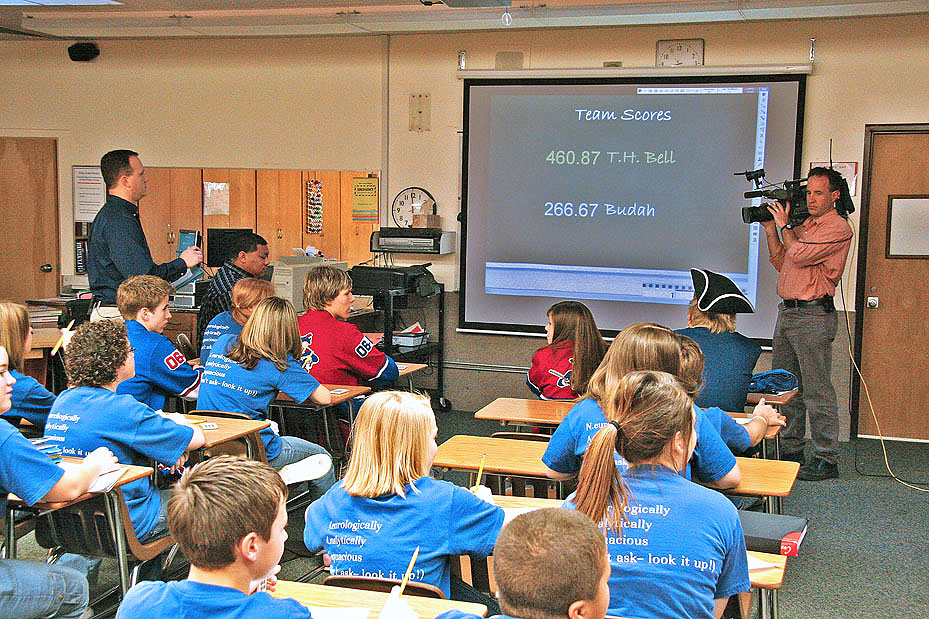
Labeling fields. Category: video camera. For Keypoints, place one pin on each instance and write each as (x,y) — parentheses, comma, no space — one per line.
(793,191)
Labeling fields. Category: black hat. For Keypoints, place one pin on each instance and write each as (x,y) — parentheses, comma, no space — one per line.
(718,293)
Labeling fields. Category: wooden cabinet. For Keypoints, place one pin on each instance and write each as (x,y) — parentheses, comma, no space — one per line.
(173,202)
(279,204)
(241,212)
(355,235)
(182,321)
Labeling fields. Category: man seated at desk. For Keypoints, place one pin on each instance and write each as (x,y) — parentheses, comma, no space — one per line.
(249,257)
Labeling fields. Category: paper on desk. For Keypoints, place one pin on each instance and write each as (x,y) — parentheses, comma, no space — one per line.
(104,481)
(754,563)
(350,612)
(511,512)
(414,328)
(742,420)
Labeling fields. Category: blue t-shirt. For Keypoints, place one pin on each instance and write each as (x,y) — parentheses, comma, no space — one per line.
(681,548)
(733,433)
(228,386)
(85,418)
(184,598)
(443,519)
(457,614)
(24,470)
(221,324)
(710,462)
(729,360)
(160,369)
(31,401)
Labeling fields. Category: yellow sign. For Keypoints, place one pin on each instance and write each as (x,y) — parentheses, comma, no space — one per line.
(364,199)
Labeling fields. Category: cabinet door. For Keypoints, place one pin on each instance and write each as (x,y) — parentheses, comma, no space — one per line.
(279,206)
(155,214)
(241,213)
(186,201)
(329,240)
(356,235)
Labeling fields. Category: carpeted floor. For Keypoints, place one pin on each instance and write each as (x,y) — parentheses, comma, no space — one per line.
(865,556)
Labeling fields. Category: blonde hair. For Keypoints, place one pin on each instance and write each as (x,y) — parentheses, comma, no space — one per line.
(641,346)
(246,294)
(652,407)
(140,291)
(390,448)
(14,328)
(716,322)
(270,333)
(323,284)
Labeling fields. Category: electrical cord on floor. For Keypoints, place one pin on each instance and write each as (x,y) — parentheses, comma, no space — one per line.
(915,485)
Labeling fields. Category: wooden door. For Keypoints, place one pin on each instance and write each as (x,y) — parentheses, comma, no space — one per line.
(155,214)
(356,235)
(329,240)
(279,210)
(241,212)
(891,338)
(29,261)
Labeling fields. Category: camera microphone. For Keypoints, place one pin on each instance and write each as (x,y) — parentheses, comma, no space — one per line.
(755,194)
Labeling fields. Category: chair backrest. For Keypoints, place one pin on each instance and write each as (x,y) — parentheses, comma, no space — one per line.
(368,583)
(522,436)
(83,528)
(519,486)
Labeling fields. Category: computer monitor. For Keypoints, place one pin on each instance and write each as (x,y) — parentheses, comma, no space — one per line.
(218,242)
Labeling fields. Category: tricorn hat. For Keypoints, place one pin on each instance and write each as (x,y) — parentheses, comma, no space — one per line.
(718,293)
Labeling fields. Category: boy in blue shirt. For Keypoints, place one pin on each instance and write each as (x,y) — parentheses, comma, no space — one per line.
(91,414)
(32,589)
(228,516)
(160,368)
(550,564)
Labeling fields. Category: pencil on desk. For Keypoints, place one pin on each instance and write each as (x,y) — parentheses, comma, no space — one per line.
(61,340)
(480,471)
(409,571)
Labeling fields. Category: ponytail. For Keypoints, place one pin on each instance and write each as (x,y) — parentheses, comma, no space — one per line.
(601,492)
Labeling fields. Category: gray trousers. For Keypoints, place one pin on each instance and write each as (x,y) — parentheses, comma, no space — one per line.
(803,345)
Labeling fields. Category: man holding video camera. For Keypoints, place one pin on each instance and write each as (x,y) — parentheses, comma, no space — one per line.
(810,258)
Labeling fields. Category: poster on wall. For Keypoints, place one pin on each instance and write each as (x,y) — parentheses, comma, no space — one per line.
(364,199)
(215,198)
(89,192)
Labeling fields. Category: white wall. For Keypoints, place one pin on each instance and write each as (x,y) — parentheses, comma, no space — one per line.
(318,103)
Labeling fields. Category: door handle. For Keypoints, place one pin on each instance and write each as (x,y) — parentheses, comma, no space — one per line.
(46,268)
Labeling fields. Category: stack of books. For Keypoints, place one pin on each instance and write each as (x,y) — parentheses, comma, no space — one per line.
(44,316)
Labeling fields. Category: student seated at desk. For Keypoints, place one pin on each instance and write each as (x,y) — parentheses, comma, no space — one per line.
(550,564)
(160,368)
(562,369)
(245,296)
(642,346)
(677,548)
(387,505)
(334,350)
(228,516)
(29,589)
(31,401)
(738,437)
(91,414)
(244,374)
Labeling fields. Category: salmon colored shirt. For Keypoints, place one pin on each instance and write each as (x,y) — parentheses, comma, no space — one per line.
(813,265)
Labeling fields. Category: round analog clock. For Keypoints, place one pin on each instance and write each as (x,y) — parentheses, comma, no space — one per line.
(679,53)
(411,200)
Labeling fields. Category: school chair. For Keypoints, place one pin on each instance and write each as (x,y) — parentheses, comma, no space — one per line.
(100,526)
(541,488)
(367,583)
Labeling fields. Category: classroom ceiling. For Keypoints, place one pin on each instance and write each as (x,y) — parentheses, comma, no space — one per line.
(21,19)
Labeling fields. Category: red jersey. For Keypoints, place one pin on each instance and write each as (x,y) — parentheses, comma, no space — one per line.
(550,374)
(336,352)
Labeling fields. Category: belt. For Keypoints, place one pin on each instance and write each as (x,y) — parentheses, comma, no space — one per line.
(824,301)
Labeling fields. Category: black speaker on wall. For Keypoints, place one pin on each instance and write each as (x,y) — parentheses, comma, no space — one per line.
(83,52)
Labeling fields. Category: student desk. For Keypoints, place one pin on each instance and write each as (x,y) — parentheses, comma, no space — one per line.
(232,429)
(771,435)
(336,597)
(36,360)
(771,479)
(774,400)
(350,392)
(767,581)
(519,412)
(130,473)
(408,369)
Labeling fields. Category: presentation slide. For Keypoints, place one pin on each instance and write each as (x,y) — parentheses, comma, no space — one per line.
(611,191)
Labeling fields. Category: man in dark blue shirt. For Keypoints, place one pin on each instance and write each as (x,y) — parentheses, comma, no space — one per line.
(117,248)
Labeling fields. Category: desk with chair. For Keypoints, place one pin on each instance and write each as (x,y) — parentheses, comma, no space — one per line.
(338,597)
(770,479)
(233,427)
(408,369)
(340,394)
(522,413)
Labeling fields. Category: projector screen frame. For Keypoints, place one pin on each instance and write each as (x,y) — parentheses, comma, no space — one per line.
(501,328)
